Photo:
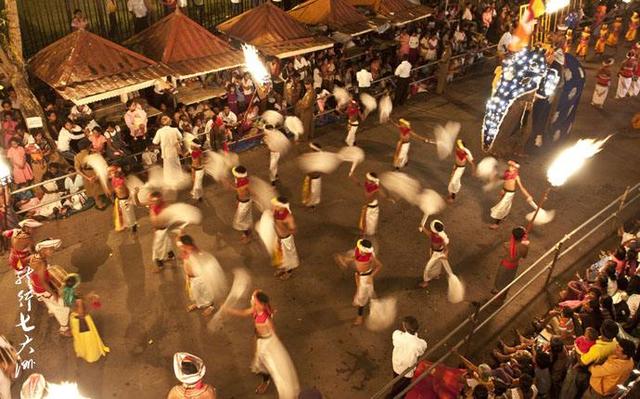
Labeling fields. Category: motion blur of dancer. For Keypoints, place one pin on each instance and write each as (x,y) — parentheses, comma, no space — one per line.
(243,218)
(285,257)
(511,182)
(124,213)
(462,157)
(312,185)
(162,249)
(439,250)
(22,244)
(199,292)
(401,155)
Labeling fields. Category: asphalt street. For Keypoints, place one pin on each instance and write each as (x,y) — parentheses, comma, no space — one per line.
(143,319)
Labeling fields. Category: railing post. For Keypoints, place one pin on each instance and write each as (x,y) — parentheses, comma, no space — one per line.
(474,323)
(556,254)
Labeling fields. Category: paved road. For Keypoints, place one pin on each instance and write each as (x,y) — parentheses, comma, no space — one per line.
(143,318)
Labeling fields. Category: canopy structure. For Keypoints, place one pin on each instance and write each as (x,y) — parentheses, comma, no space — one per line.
(399,12)
(273,32)
(84,68)
(338,15)
(185,46)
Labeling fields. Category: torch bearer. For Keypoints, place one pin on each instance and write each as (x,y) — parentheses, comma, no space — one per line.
(565,165)
(259,74)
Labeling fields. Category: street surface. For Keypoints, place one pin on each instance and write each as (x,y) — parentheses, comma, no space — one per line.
(143,319)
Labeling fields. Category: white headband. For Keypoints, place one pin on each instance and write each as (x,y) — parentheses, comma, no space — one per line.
(49,243)
(29,223)
(188,379)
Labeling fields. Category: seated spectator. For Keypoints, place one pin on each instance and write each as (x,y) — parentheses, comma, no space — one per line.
(54,124)
(54,171)
(69,133)
(9,126)
(7,108)
(525,388)
(80,113)
(229,118)
(98,141)
(136,120)
(584,342)
(605,345)
(615,370)
(21,170)
(79,21)
(74,184)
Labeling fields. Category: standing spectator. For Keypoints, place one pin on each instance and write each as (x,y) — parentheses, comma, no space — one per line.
(169,6)
(111,6)
(407,349)
(235,7)
(403,43)
(301,65)
(139,10)
(443,68)
(80,112)
(615,370)
(487,17)
(9,126)
(39,152)
(92,186)
(364,79)
(198,6)
(414,43)
(54,124)
(467,15)
(79,21)
(98,141)
(403,71)
(304,109)
(69,132)
(169,139)
(503,44)
(16,154)
(136,120)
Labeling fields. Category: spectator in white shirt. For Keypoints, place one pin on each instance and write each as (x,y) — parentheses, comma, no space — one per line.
(69,132)
(364,79)
(407,349)
(301,65)
(80,112)
(236,7)
(136,120)
(414,43)
(228,117)
(402,72)
(503,44)
(169,139)
(139,10)
(466,14)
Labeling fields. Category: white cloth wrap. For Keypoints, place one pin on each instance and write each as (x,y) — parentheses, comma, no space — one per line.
(455,183)
(200,292)
(315,191)
(365,291)
(599,94)
(635,87)
(503,207)
(161,244)
(290,259)
(55,305)
(196,191)
(624,87)
(274,157)
(272,358)
(403,156)
(371,220)
(433,268)
(243,219)
(351,134)
(128,211)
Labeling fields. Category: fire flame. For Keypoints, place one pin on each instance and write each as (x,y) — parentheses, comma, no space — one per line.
(572,159)
(555,5)
(65,390)
(254,65)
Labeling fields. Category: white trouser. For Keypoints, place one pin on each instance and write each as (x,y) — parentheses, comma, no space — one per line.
(403,156)
(624,87)
(273,359)
(503,207)
(274,157)
(161,244)
(199,292)
(55,305)
(351,134)
(364,291)
(456,180)
(599,95)
(635,86)
(198,177)
(370,219)
(315,191)
(243,219)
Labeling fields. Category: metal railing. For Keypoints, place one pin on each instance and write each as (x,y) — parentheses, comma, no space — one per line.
(471,322)
(326,112)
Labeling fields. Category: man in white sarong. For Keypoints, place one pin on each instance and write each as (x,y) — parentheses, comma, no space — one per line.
(462,157)
(312,185)
(200,293)
(274,156)
(366,266)
(370,212)
(190,370)
(625,75)
(124,211)
(401,155)
(243,218)
(438,253)
(197,171)
(353,122)
(285,257)
(169,139)
(162,249)
(603,81)
(42,284)
(512,181)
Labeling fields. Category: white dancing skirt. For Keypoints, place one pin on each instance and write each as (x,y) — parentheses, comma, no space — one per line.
(599,94)
(433,268)
(624,87)
(199,292)
(243,219)
(274,157)
(456,180)
(351,135)
(503,207)
(290,259)
(273,359)
(371,216)
(315,191)
(161,244)
(364,292)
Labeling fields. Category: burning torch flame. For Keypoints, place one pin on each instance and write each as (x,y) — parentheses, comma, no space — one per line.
(555,5)
(65,390)
(571,160)
(254,65)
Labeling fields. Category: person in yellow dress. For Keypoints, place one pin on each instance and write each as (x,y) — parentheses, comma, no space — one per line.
(614,34)
(583,44)
(602,40)
(632,30)
(86,339)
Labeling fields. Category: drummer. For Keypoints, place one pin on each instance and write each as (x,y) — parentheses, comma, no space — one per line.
(43,285)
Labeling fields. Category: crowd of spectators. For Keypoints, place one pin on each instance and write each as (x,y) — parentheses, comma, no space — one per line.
(585,347)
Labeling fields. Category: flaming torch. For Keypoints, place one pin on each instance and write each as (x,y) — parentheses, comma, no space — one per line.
(566,164)
(258,72)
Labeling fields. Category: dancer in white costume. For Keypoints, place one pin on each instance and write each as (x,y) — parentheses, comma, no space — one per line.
(312,185)
(438,252)
(512,181)
(285,257)
(243,218)
(354,115)
(462,157)
(603,81)
(401,155)
(162,249)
